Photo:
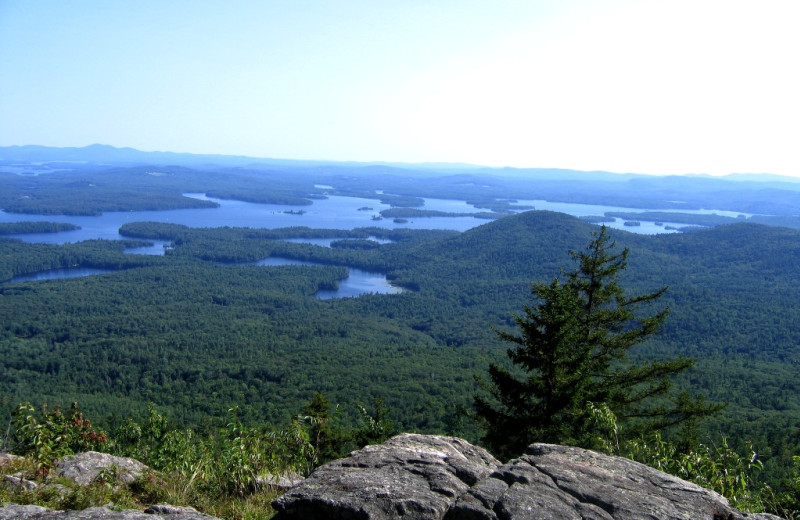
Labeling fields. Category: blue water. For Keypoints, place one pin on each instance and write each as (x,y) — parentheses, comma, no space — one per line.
(54,274)
(357,283)
(335,212)
(332,213)
(645,227)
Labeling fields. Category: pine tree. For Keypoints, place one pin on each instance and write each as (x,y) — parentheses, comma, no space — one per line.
(571,353)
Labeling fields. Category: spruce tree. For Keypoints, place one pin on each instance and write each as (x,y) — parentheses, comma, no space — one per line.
(571,351)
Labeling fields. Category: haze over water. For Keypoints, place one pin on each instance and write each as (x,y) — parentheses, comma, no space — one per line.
(335,212)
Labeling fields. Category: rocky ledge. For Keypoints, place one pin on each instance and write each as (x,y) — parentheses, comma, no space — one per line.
(424,477)
(419,477)
(17,512)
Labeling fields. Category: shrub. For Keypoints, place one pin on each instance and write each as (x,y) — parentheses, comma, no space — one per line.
(52,434)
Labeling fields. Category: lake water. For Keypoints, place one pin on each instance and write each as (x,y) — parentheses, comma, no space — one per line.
(357,283)
(53,274)
(335,212)
(326,242)
(332,213)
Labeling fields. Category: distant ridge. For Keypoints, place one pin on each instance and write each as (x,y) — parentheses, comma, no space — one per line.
(107,155)
(111,155)
(103,153)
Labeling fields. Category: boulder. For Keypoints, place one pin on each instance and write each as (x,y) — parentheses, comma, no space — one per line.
(168,509)
(430,477)
(84,468)
(10,511)
(409,476)
(13,511)
(8,459)
(551,481)
(19,482)
(280,482)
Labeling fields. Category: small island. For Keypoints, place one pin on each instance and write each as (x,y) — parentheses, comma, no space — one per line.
(19,228)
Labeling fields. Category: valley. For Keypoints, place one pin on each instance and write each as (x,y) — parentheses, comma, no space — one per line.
(195,335)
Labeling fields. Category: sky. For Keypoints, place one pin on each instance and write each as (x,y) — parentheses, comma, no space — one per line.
(644,86)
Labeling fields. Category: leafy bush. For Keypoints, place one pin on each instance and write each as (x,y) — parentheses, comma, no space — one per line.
(716,467)
(52,434)
(719,468)
(787,502)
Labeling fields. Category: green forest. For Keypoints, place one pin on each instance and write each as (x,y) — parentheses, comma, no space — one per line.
(199,330)
(202,329)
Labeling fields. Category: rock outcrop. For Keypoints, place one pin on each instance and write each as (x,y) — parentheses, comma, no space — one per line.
(7,459)
(424,477)
(18,512)
(444,478)
(408,476)
(84,468)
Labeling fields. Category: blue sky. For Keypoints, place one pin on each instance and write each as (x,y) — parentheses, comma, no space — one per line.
(647,86)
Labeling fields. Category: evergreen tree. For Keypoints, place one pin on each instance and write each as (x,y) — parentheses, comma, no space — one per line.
(572,351)
(324,437)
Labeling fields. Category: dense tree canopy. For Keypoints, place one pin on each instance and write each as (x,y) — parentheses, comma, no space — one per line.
(573,349)
(196,334)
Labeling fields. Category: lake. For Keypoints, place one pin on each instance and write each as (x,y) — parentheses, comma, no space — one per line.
(54,274)
(335,212)
(357,283)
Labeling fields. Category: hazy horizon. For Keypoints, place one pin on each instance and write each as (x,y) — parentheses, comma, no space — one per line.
(623,86)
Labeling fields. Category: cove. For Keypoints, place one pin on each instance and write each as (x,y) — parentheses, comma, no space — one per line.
(334,212)
(59,274)
(356,284)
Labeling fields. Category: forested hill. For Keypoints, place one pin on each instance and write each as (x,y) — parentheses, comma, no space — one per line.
(195,335)
(720,280)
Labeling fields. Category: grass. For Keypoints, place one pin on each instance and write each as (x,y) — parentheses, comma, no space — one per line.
(151,488)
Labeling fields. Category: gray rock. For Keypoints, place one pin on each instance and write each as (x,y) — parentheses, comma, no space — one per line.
(84,468)
(167,509)
(7,459)
(13,511)
(423,477)
(409,476)
(571,483)
(19,482)
(279,482)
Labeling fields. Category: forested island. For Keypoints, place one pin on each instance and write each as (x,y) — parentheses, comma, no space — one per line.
(199,330)
(17,228)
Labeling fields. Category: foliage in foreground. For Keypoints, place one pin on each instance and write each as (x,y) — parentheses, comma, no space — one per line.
(717,467)
(226,473)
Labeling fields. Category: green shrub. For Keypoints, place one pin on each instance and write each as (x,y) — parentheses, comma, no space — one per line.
(52,434)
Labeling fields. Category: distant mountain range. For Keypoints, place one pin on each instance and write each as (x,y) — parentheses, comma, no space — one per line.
(101,153)
(106,155)
(109,155)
